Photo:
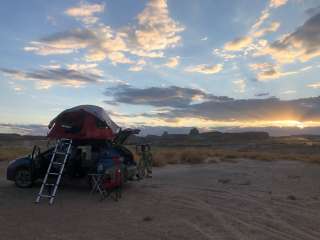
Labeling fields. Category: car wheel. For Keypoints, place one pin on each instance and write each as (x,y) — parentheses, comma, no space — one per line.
(23,178)
(141,171)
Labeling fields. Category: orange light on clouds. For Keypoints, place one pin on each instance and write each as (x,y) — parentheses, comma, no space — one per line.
(207,123)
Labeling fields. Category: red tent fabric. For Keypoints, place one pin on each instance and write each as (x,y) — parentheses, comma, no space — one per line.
(85,122)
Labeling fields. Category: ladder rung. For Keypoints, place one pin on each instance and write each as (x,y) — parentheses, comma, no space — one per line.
(62,153)
(51,173)
(47,196)
(49,184)
(58,163)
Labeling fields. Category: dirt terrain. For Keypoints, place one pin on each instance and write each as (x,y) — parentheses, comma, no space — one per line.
(228,200)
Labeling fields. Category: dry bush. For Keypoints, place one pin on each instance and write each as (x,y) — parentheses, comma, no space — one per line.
(13,152)
(171,157)
(194,155)
(163,157)
(158,160)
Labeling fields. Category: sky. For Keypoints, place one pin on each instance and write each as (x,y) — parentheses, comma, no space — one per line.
(211,64)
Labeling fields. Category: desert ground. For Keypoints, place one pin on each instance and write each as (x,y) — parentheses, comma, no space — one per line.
(240,199)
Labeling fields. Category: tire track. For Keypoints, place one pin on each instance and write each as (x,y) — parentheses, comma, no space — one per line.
(272,225)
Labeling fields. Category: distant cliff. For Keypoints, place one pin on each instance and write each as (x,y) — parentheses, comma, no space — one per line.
(206,138)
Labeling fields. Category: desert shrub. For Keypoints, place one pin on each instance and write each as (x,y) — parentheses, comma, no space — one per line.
(232,156)
(13,152)
(193,156)
(162,157)
(172,157)
(158,162)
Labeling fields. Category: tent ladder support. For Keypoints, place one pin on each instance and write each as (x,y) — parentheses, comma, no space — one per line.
(53,176)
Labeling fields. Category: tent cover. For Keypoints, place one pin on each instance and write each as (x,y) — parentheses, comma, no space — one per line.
(83,122)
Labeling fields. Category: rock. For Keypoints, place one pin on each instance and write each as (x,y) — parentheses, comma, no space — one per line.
(291,197)
(147,219)
(224,181)
(246,183)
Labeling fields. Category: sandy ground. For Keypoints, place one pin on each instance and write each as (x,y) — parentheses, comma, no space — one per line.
(243,200)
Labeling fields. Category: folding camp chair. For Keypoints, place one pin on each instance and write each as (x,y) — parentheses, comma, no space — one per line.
(97,184)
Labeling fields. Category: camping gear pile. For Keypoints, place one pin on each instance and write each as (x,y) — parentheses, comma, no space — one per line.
(111,176)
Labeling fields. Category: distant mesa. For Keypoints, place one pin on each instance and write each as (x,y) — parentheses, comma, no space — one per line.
(196,138)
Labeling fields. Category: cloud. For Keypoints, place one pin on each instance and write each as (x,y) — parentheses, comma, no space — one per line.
(16,87)
(265,14)
(302,44)
(73,76)
(101,41)
(85,12)
(274,26)
(277,3)
(314,85)
(270,109)
(240,85)
(138,66)
(223,54)
(247,43)
(272,73)
(51,66)
(85,68)
(63,42)
(153,32)
(172,96)
(269,71)
(183,110)
(156,30)
(262,94)
(119,57)
(173,62)
(313,11)
(238,44)
(205,69)
(287,92)
(259,66)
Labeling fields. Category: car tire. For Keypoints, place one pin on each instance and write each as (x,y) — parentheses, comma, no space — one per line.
(141,172)
(23,178)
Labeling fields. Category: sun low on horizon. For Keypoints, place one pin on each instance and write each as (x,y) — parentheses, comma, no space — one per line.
(157,64)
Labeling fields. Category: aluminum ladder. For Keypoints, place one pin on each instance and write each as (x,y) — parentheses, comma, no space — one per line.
(55,169)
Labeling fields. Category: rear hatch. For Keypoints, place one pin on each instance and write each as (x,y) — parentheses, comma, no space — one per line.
(123,135)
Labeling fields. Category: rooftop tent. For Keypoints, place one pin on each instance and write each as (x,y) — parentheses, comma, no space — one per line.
(83,122)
